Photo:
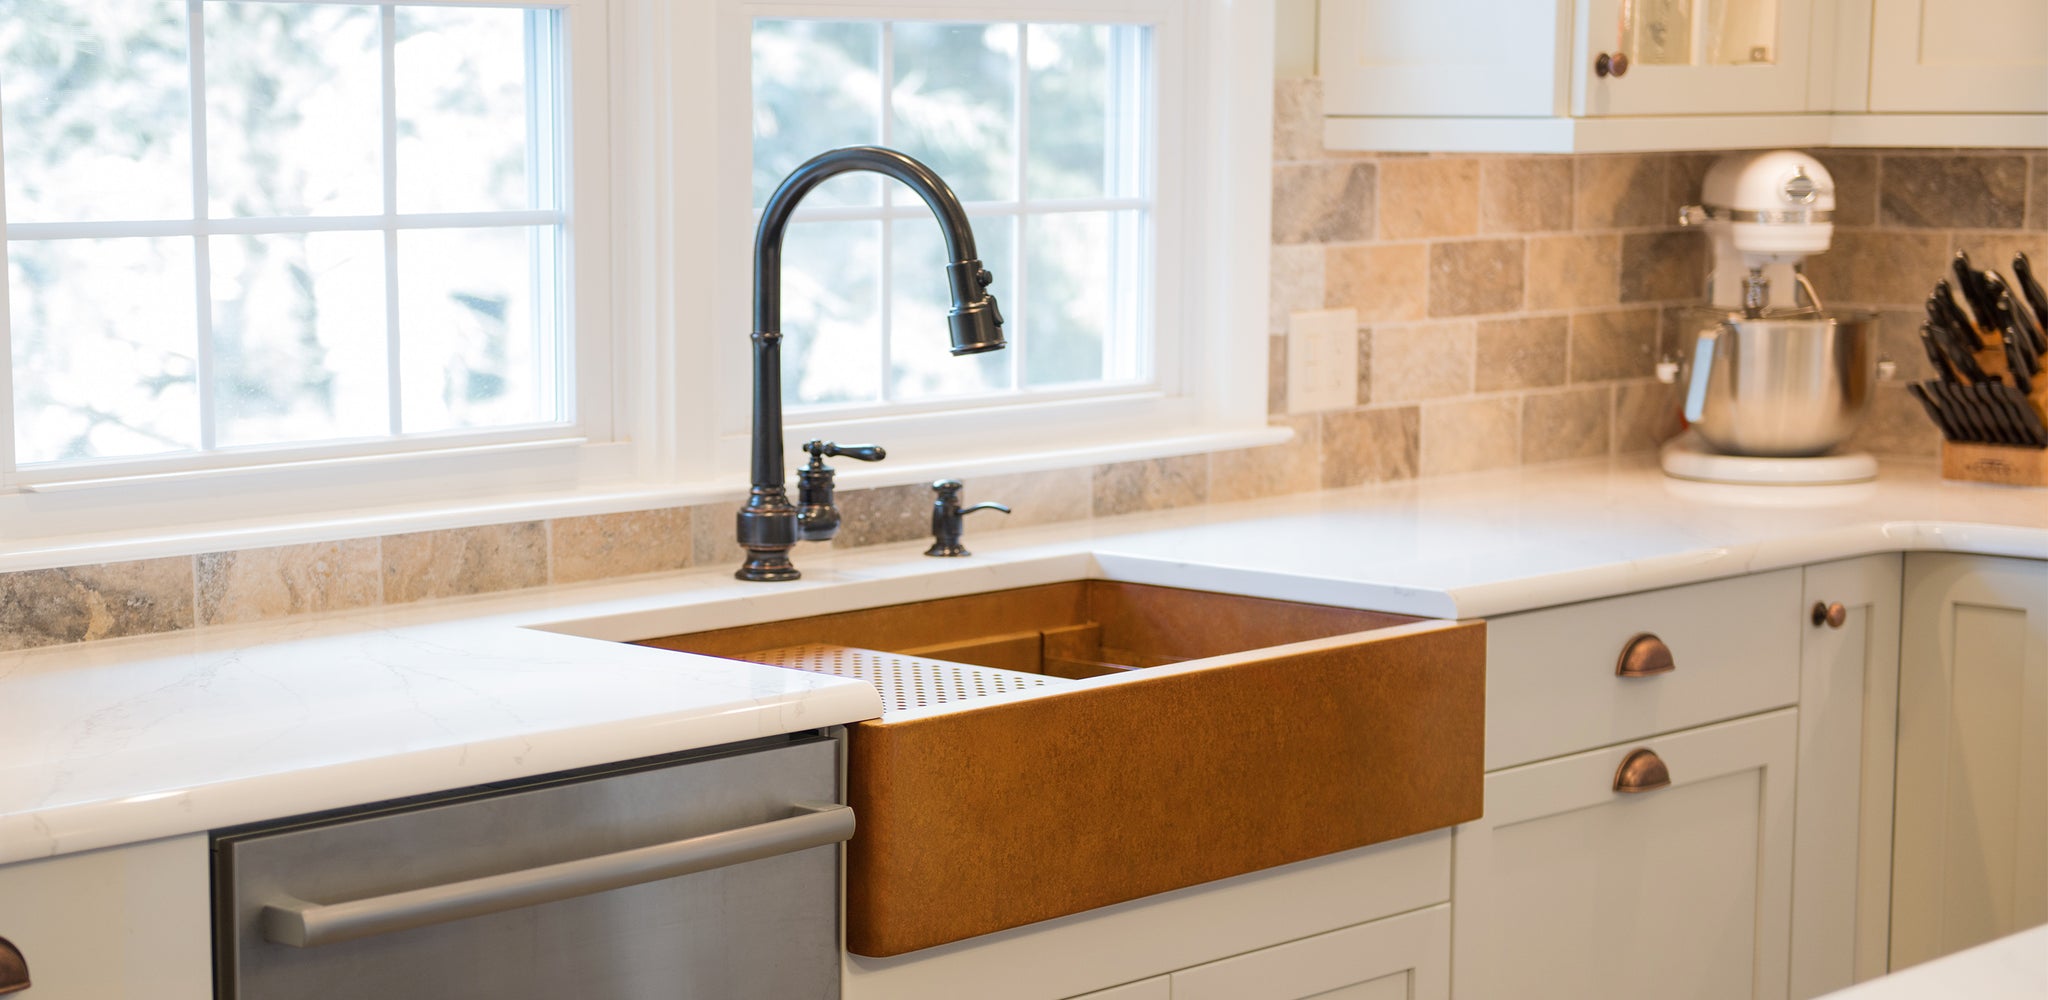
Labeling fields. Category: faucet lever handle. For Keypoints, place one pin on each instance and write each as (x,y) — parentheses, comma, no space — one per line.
(984,506)
(821,450)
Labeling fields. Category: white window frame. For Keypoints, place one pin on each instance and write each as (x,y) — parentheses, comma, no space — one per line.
(140,496)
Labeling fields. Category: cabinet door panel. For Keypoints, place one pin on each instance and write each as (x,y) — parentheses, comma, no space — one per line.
(1971,840)
(1398,958)
(1157,988)
(1983,56)
(1693,57)
(1568,889)
(1445,57)
(1848,724)
(129,921)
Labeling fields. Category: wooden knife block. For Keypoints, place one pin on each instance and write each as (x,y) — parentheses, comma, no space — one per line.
(2005,465)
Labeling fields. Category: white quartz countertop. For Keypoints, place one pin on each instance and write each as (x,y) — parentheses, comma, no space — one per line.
(127,740)
(2014,967)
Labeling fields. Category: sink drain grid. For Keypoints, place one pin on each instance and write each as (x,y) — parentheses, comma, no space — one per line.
(906,682)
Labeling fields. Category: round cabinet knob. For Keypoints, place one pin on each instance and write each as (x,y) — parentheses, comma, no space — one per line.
(1644,655)
(1641,771)
(1615,65)
(1832,615)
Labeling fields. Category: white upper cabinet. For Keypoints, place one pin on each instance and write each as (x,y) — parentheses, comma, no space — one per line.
(1966,56)
(1567,75)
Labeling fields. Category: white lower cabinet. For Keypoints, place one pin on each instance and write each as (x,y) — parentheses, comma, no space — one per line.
(1406,957)
(1970,842)
(122,922)
(1568,888)
(1155,988)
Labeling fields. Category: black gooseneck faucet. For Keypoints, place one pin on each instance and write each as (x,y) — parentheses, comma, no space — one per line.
(769,525)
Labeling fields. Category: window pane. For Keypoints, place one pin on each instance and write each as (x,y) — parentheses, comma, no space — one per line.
(817,86)
(921,361)
(463,112)
(298,337)
(1084,269)
(95,101)
(832,313)
(476,348)
(954,96)
(294,110)
(104,333)
(1070,107)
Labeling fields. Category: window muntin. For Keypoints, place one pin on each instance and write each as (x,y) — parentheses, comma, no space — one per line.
(864,295)
(362,239)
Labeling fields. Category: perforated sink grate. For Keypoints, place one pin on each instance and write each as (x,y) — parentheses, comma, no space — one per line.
(906,682)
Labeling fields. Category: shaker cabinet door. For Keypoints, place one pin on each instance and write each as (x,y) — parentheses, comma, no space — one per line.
(1965,56)
(1405,957)
(1693,57)
(1570,889)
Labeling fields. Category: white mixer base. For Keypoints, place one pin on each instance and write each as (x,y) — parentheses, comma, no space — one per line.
(1686,457)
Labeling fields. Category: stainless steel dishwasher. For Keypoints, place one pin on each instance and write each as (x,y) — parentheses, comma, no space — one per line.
(707,876)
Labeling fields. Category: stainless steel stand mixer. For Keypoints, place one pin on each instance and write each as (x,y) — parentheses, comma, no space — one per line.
(1774,383)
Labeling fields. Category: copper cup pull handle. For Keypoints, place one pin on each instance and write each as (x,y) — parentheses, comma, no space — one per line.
(1644,655)
(1832,615)
(1641,771)
(13,968)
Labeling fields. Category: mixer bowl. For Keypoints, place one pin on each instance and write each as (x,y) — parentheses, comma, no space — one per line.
(1779,387)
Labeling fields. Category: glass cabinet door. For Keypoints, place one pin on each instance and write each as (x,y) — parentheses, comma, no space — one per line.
(1643,57)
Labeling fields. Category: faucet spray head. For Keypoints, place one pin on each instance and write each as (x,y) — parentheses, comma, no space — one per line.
(975,320)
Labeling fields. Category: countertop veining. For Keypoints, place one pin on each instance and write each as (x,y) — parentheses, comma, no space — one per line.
(128,740)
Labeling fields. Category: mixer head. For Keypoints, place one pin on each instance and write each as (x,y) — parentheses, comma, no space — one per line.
(1762,211)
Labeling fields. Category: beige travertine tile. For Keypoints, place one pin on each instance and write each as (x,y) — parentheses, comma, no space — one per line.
(1049,497)
(1386,284)
(1429,361)
(1525,353)
(1619,192)
(1952,190)
(1896,425)
(1428,198)
(260,584)
(714,535)
(1371,446)
(462,561)
(1663,267)
(1471,435)
(628,544)
(1855,177)
(1297,283)
(1323,202)
(1152,484)
(1613,345)
(1993,250)
(1878,267)
(1575,423)
(1683,175)
(48,607)
(1646,414)
(1471,277)
(1276,375)
(1297,118)
(1294,466)
(884,515)
(2037,192)
(1525,194)
(1576,271)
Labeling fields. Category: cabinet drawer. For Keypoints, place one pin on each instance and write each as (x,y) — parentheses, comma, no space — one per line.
(1551,684)
(1400,958)
(122,922)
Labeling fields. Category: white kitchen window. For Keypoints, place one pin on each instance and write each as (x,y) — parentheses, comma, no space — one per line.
(243,233)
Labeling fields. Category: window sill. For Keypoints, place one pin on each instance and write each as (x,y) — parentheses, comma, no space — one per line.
(150,543)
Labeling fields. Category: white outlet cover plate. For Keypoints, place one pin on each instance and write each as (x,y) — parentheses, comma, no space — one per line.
(1322,360)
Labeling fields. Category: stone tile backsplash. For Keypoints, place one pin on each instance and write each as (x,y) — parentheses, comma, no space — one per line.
(1511,311)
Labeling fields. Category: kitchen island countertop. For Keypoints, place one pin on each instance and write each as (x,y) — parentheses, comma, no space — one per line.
(129,740)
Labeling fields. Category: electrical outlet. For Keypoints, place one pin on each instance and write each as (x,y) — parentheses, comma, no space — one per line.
(1322,360)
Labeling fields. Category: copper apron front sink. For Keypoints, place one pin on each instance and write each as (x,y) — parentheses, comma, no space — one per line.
(1057,748)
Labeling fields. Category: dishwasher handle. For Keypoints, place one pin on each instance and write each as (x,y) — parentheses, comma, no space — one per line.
(301,924)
